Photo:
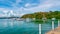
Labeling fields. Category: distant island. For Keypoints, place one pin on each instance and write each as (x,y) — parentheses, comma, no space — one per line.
(39,15)
(8,17)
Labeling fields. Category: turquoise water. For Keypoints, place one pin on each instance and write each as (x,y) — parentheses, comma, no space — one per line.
(9,26)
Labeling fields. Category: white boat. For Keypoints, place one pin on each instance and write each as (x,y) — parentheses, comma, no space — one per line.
(19,19)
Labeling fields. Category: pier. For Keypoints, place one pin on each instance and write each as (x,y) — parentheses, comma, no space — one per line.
(56,30)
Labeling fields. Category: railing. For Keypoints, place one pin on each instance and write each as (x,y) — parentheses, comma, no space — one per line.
(40,26)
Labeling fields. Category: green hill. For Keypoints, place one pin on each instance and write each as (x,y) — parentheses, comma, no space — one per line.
(39,15)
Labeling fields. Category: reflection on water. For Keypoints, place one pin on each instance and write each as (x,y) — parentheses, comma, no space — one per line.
(5,24)
(9,26)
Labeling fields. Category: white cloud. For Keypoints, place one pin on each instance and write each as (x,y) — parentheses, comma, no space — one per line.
(54,2)
(27,5)
(43,6)
(4,10)
(8,12)
(17,1)
(40,7)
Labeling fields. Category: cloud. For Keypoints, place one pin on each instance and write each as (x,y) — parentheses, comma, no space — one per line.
(4,10)
(27,5)
(8,12)
(30,7)
(18,1)
(54,2)
(45,6)
(15,5)
(41,7)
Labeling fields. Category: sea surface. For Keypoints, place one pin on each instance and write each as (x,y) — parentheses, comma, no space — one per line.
(10,26)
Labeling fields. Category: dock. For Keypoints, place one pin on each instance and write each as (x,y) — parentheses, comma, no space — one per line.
(55,31)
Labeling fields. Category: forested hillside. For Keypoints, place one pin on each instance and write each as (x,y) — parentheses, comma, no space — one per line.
(39,15)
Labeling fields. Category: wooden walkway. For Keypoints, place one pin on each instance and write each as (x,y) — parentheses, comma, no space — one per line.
(55,31)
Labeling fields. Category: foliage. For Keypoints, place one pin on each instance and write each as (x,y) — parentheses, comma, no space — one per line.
(39,15)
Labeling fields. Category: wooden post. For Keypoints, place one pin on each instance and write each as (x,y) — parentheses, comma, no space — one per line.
(52,25)
(53,19)
(39,28)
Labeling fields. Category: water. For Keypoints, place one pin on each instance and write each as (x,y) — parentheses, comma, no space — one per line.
(9,26)
(48,26)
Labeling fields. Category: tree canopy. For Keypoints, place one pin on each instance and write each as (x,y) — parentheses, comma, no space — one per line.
(39,15)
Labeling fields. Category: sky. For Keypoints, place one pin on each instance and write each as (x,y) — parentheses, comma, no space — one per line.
(21,7)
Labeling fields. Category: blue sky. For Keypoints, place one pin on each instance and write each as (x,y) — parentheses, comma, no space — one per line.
(21,7)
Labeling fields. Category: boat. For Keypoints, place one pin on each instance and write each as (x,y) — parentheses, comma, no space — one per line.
(19,19)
